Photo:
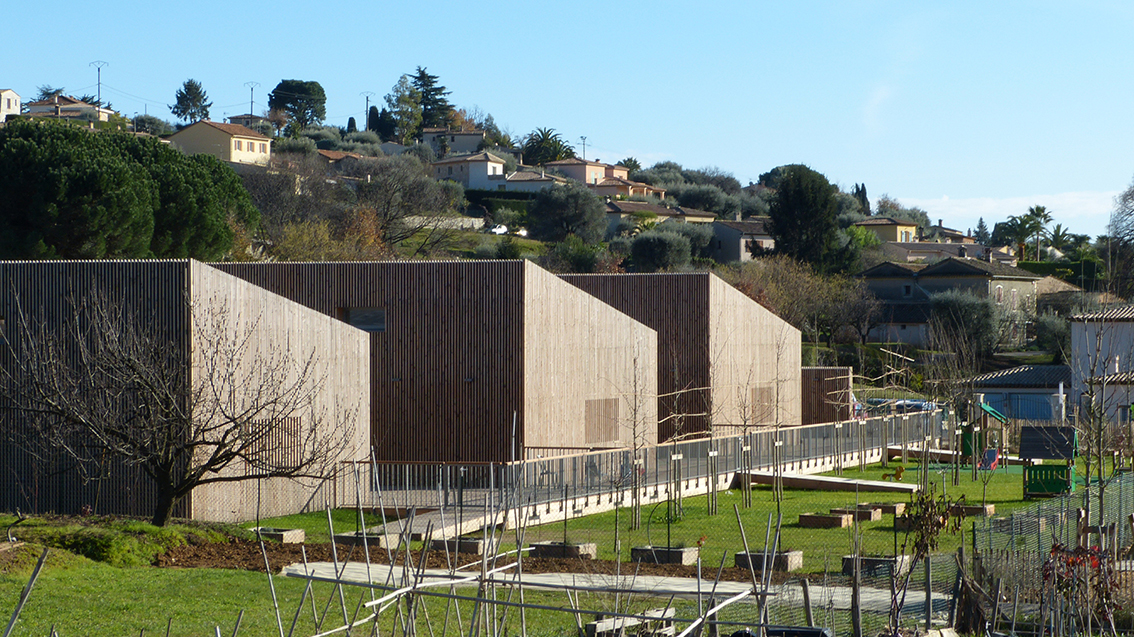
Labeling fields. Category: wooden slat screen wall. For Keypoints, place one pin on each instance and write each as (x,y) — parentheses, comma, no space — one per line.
(751,349)
(675,306)
(155,291)
(826,394)
(447,373)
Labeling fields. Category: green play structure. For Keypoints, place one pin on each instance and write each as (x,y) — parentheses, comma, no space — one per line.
(1048,443)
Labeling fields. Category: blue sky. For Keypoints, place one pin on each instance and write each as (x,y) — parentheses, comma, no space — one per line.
(965,109)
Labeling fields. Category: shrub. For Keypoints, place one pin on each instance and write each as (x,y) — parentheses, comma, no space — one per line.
(652,251)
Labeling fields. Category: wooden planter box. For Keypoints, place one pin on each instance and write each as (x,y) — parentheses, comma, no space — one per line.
(825,520)
(874,566)
(891,508)
(862,514)
(470,545)
(685,555)
(782,561)
(357,538)
(283,536)
(583,551)
(976,510)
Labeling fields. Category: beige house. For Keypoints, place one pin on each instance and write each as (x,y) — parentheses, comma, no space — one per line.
(9,103)
(605,179)
(227,142)
(64,107)
(479,171)
(890,229)
(642,212)
(452,142)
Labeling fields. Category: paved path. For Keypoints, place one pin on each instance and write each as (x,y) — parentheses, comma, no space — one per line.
(833,483)
(873,599)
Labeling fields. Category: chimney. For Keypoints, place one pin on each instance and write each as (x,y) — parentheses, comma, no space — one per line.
(939,224)
(962,252)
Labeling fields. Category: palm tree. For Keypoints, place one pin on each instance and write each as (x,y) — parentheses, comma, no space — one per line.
(1059,237)
(1042,217)
(543,145)
(1021,228)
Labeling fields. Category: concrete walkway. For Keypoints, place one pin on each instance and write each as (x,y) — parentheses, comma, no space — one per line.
(839,597)
(833,483)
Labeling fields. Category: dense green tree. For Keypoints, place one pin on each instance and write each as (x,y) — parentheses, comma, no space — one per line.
(981,234)
(561,211)
(67,193)
(191,103)
(978,322)
(859,193)
(351,125)
(46,92)
(436,111)
(700,236)
(652,251)
(803,221)
(372,119)
(771,179)
(543,145)
(386,126)
(305,102)
(152,125)
(630,164)
(404,106)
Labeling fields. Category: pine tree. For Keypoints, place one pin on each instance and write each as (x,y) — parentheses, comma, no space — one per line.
(436,111)
(980,235)
(192,102)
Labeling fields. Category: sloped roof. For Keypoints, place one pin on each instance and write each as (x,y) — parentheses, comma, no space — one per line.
(475,157)
(957,265)
(1118,314)
(527,175)
(885,221)
(1026,376)
(754,225)
(62,100)
(892,268)
(1054,285)
(630,207)
(338,155)
(234,130)
(1121,378)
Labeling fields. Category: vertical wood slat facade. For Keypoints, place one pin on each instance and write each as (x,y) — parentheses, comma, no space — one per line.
(157,296)
(469,345)
(826,394)
(715,345)
(49,292)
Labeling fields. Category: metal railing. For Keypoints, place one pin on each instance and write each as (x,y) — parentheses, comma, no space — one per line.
(613,472)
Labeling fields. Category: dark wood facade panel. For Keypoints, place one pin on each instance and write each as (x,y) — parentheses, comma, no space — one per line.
(826,393)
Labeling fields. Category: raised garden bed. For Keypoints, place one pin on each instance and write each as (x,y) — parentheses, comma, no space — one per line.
(782,561)
(976,510)
(470,545)
(878,565)
(861,513)
(825,520)
(584,551)
(358,538)
(890,508)
(283,536)
(685,555)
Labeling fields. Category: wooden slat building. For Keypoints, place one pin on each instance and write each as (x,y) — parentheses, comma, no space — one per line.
(724,361)
(168,299)
(483,361)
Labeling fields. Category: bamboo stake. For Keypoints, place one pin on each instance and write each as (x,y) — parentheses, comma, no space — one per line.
(26,593)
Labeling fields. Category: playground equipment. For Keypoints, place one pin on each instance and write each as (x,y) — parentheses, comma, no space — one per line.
(1048,443)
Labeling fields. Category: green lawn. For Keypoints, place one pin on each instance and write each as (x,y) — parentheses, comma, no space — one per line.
(720,533)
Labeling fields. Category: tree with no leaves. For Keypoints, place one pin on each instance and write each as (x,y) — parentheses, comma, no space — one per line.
(105,388)
(192,104)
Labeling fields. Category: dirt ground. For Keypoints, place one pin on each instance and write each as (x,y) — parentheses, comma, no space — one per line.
(246,555)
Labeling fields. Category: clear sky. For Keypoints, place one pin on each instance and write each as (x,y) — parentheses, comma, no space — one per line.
(965,109)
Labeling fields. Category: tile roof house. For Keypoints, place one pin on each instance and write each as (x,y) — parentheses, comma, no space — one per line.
(890,229)
(231,143)
(638,212)
(9,103)
(735,240)
(479,171)
(247,120)
(452,142)
(604,179)
(934,251)
(1024,392)
(64,107)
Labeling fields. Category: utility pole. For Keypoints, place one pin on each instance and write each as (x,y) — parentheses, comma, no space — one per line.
(583,138)
(366,111)
(98,64)
(251,96)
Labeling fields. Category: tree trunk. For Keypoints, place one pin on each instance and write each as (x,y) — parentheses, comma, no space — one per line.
(163,509)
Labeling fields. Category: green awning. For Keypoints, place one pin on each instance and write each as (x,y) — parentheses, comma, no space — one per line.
(995,414)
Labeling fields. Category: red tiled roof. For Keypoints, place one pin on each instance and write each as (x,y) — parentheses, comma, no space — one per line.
(234,130)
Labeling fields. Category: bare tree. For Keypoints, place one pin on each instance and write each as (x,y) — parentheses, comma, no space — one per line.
(105,387)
